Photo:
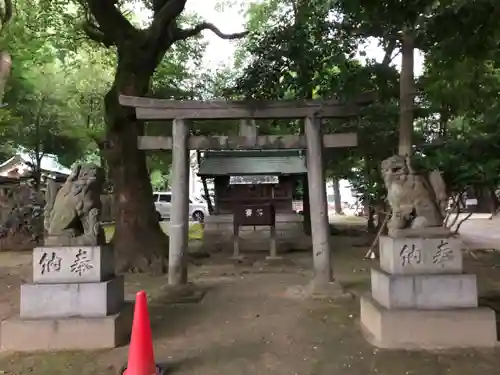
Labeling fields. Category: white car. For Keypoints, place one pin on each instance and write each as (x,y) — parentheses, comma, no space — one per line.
(163,203)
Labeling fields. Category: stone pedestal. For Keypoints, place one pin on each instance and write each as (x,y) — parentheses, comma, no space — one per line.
(75,302)
(421,299)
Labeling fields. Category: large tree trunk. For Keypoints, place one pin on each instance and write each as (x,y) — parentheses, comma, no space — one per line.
(487,201)
(210,206)
(370,214)
(140,244)
(5,68)
(336,197)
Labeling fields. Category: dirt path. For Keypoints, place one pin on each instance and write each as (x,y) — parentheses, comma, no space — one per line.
(247,323)
(244,325)
(481,233)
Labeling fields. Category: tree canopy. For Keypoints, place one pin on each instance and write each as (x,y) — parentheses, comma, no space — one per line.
(316,49)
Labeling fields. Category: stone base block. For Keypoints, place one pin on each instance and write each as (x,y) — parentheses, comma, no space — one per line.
(25,335)
(446,291)
(413,256)
(65,300)
(427,329)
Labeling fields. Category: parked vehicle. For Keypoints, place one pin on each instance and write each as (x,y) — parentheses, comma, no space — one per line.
(163,203)
(298,207)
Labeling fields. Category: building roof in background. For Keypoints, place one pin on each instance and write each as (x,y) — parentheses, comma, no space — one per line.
(244,163)
(49,163)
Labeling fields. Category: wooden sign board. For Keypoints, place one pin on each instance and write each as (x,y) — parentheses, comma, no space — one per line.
(254,215)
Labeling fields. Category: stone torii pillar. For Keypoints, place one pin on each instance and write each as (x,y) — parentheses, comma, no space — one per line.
(323,284)
(318,202)
(179,216)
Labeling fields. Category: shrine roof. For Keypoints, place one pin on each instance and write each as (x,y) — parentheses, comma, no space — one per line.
(241,163)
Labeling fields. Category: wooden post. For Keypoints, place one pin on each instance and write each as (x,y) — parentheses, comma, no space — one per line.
(273,250)
(236,242)
(306,207)
(248,128)
(179,217)
(318,203)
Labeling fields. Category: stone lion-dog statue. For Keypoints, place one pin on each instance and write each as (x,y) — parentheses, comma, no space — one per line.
(418,204)
(72,214)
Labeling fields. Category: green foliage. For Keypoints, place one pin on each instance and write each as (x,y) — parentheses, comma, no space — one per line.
(55,94)
(159,180)
(53,97)
(300,49)
(295,49)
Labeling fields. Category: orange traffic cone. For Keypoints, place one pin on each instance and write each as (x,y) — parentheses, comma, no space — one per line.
(141,355)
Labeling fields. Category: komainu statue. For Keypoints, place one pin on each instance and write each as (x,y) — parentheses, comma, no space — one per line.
(418,204)
(72,214)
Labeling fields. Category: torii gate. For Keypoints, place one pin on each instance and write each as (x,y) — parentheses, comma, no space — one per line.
(181,142)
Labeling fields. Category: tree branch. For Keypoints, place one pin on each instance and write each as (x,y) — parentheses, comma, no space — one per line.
(94,33)
(389,50)
(182,34)
(112,23)
(164,17)
(101,143)
(457,228)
